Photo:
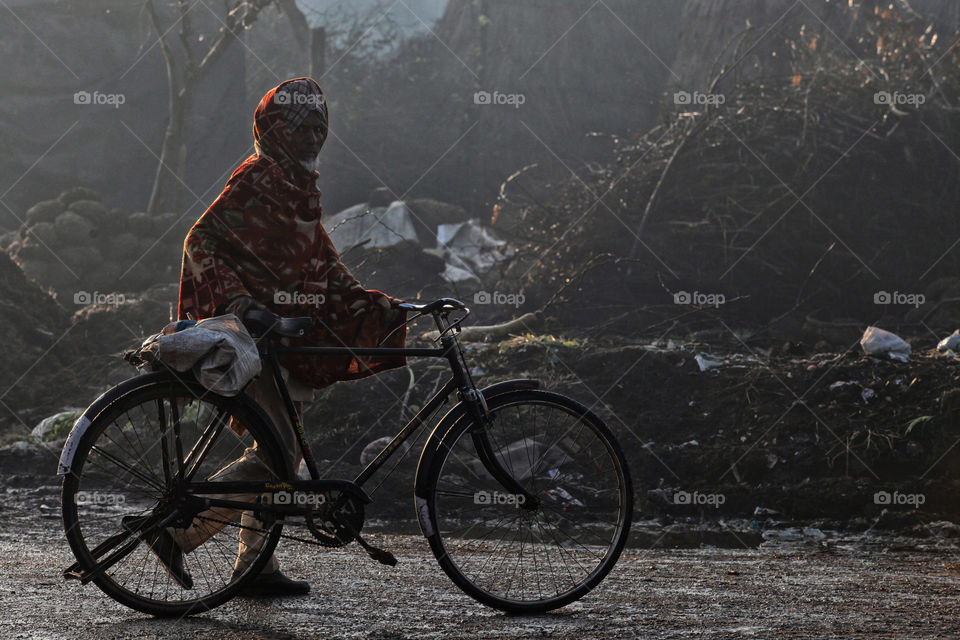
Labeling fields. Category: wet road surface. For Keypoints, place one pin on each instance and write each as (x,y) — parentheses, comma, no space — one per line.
(803,591)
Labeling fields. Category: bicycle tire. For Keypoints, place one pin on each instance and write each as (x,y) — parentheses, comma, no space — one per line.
(117,471)
(543,558)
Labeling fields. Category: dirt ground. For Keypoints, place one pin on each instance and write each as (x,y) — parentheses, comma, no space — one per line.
(850,587)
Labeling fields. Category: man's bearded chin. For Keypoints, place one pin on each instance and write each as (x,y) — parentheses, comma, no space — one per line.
(311,165)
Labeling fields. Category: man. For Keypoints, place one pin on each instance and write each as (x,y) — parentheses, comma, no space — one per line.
(261,245)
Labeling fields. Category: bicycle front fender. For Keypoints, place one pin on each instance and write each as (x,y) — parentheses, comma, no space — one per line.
(429,453)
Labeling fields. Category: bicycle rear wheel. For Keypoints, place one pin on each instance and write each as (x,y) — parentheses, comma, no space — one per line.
(130,466)
(521,556)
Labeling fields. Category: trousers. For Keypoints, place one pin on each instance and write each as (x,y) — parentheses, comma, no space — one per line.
(250,467)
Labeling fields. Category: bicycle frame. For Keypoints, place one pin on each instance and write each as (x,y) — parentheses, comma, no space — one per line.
(459,381)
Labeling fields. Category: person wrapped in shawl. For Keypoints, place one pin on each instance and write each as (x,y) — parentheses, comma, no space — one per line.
(261,244)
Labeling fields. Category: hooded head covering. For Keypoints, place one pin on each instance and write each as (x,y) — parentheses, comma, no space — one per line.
(280,112)
(262,237)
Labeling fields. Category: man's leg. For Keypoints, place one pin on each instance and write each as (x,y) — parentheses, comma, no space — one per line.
(250,467)
(264,391)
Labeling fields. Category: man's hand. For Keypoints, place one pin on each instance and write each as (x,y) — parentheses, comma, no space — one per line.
(241,304)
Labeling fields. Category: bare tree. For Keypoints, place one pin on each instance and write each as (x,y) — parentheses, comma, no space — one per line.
(187,65)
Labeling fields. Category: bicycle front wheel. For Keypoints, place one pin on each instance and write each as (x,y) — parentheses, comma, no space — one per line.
(529,555)
(130,473)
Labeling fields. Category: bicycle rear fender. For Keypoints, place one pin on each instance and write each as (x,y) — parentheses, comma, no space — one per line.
(429,452)
(111,395)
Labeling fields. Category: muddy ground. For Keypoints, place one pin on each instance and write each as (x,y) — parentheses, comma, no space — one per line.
(841,586)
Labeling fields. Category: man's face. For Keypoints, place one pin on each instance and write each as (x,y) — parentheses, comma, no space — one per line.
(309,137)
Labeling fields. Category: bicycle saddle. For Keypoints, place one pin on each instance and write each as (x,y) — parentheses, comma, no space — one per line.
(451,304)
(262,323)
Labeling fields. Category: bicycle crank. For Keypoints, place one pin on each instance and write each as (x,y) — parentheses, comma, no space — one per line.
(338,521)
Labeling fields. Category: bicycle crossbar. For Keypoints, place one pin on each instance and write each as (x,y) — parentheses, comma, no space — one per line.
(364,351)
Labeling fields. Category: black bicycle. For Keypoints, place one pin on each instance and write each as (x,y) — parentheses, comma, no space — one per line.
(524,495)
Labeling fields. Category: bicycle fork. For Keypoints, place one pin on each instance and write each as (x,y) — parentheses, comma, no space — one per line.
(477,409)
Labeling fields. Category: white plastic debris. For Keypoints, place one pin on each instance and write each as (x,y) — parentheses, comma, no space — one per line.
(49,424)
(469,249)
(706,364)
(813,533)
(950,343)
(878,342)
(867,395)
(372,227)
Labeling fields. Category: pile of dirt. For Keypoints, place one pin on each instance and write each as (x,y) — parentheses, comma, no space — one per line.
(58,360)
(73,246)
(34,332)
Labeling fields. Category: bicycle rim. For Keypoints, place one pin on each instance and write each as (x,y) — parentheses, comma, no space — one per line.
(523,559)
(119,473)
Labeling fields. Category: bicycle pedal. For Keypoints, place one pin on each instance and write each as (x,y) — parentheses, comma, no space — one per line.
(383,557)
(380,555)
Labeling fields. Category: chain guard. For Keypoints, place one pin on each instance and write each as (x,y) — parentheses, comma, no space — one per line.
(337,521)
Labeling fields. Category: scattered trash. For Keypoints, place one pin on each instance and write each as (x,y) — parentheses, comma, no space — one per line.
(813,533)
(469,250)
(867,395)
(56,426)
(372,227)
(950,343)
(559,494)
(707,364)
(841,383)
(763,511)
(877,342)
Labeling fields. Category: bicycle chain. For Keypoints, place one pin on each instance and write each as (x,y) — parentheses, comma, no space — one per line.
(312,541)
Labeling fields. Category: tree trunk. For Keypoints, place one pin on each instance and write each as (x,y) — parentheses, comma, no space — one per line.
(318,52)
